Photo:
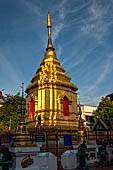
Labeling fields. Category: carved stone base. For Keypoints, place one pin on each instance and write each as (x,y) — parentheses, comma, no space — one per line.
(25,157)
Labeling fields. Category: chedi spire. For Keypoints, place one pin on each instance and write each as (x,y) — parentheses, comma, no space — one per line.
(50,45)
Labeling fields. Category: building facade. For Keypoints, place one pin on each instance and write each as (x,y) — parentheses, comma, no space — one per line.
(88,114)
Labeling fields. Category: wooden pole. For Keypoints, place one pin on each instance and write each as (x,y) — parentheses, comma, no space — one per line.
(110,134)
(96,136)
(46,141)
(107,136)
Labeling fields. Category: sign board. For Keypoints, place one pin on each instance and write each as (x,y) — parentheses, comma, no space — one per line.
(40,138)
(67,140)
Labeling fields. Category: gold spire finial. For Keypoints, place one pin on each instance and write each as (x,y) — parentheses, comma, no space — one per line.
(49,46)
(48,20)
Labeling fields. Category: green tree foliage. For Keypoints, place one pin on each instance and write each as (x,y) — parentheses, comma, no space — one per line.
(105,108)
(10,112)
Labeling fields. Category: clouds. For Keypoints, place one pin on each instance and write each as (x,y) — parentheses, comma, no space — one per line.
(59,52)
(106,69)
(95,27)
(100,85)
(60,21)
(34,8)
(56,31)
(10,77)
(97,10)
(99,19)
(80,57)
(91,100)
(82,32)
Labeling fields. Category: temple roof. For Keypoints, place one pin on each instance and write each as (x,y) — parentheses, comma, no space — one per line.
(103,124)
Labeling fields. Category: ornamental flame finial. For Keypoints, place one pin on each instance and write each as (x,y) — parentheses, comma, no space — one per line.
(49,46)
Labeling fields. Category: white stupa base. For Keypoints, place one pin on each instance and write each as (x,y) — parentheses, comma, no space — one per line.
(47,161)
(69,159)
(20,153)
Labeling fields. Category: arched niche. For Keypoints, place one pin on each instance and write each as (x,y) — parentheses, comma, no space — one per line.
(65,106)
(31,103)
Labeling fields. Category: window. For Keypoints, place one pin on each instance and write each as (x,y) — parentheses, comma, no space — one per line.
(66,106)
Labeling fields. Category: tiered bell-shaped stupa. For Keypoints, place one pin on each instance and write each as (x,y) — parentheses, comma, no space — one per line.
(51,96)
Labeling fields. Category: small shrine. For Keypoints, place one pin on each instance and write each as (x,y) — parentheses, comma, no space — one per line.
(103,129)
(23,150)
(51,97)
(81,128)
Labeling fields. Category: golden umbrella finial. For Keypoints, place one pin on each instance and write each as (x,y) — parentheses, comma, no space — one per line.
(49,46)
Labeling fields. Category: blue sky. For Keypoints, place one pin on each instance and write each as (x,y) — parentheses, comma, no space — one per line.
(82,34)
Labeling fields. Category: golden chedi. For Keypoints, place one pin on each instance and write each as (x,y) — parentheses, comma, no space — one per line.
(22,137)
(51,95)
